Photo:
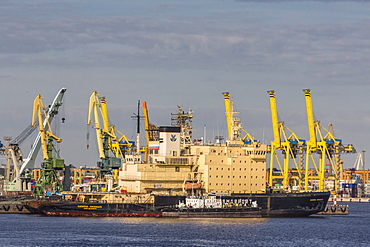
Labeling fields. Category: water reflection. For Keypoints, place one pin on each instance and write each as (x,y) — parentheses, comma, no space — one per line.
(179,221)
(32,230)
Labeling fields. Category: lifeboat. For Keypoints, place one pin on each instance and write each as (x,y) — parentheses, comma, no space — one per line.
(194,186)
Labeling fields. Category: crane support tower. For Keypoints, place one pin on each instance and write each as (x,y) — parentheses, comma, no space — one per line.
(234,126)
(49,181)
(329,149)
(292,148)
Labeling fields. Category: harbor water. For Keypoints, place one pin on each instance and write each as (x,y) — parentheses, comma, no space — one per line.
(323,230)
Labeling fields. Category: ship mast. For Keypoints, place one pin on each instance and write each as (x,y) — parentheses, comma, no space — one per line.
(137,116)
(184,121)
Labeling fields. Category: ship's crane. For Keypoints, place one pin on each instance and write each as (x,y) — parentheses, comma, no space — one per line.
(234,126)
(106,136)
(289,143)
(326,145)
(48,181)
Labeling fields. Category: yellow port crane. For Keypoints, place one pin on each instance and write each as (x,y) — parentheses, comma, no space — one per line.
(151,130)
(234,126)
(106,136)
(326,145)
(48,181)
(291,146)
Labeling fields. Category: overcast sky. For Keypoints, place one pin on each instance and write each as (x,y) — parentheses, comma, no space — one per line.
(171,53)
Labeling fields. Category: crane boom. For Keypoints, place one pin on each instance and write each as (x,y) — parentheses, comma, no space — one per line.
(94,105)
(310,119)
(24,135)
(274,119)
(146,124)
(228,114)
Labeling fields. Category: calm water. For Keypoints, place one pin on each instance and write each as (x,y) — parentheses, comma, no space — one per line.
(32,230)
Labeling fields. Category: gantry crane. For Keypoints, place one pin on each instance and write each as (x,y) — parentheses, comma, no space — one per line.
(326,145)
(234,126)
(48,181)
(291,146)
(106,136)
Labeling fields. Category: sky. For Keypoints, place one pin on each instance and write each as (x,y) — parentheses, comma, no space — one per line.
(187,53)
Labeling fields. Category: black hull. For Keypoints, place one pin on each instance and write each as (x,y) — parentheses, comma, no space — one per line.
(270,205)
(274,204)
(94,209)
(233,212)
(289,204)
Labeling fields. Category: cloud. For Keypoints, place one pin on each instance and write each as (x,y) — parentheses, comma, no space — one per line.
(133,42)
(175,53)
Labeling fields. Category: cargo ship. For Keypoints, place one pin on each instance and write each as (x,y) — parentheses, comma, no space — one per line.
(175,166)
(147,205)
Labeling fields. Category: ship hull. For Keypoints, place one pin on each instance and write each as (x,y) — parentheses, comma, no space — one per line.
(288,204)
(237,212)
(269,205)
(93,209)
(95,214)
